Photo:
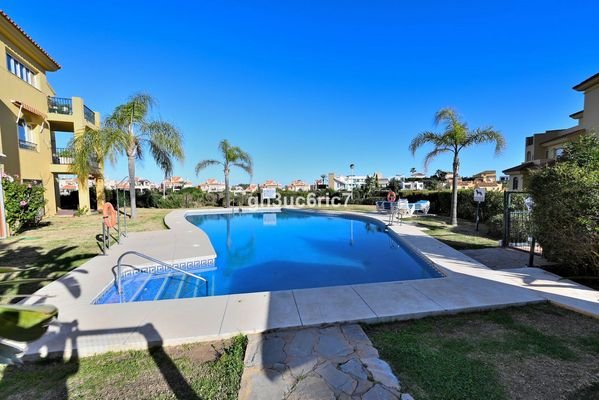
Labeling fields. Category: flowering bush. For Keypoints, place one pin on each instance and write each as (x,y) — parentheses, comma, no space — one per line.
(23,202)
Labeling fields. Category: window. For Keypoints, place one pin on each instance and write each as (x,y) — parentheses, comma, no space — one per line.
(26,136)
(558,152)
(20,70)
(515,183)
(528,156)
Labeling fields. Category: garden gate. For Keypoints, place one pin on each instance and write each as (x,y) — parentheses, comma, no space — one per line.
(517,224)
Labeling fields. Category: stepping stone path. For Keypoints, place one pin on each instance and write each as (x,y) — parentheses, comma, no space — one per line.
(335,362)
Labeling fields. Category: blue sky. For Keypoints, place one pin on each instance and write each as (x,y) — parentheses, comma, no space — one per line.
(310,87)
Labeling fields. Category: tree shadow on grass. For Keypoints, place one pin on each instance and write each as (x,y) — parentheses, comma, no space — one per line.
(41,264)
(52,373)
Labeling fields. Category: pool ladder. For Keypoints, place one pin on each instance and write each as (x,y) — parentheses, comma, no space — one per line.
(119,263)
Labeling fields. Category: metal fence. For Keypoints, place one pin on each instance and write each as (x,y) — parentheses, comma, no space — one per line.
(518,230)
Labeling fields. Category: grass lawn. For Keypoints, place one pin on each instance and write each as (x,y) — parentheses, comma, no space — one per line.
(61,244)
(194,371)
(532,352)
(461,237)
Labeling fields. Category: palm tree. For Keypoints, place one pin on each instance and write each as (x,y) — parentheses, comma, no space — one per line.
(455,137)
(128,130)
(233,156)
(351,167)
(322,177)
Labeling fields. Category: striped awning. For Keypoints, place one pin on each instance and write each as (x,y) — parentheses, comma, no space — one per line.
(26,107)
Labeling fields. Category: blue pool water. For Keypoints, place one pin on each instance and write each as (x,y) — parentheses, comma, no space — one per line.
(279,251)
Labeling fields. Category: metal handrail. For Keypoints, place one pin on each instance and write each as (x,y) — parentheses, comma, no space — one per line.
(141,255)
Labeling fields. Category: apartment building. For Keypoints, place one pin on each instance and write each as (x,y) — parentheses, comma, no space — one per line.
(543,148)
(32,116)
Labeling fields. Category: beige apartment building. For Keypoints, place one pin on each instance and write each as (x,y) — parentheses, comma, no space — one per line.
(543,148)
(32,115)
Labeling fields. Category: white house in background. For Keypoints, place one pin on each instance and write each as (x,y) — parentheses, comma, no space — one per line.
(212,186)
(140,184)
(237,189)
(251,188)
(270,184)
(346,183)
(411,185)
(298,186)
(176,183)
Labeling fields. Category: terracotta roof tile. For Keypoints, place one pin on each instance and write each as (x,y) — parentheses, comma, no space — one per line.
(13,23)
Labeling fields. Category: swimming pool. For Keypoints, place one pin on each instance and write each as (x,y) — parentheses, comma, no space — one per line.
(270,251)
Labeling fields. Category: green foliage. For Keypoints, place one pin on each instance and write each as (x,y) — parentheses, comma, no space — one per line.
(23,202)
(81,211)
(566,211)
(21,323)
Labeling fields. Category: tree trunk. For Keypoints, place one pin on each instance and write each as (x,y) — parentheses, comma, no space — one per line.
(454,191)
(131,165)
(227,201)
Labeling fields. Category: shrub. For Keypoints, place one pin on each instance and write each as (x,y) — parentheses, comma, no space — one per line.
(23,202)
(566,212)
(495,226)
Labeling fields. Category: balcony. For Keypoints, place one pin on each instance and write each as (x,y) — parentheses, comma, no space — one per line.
(24,144)
(62,156)
(60,105)
(71,114)
(89,115)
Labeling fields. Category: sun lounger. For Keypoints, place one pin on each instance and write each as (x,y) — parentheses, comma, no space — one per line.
(422,206)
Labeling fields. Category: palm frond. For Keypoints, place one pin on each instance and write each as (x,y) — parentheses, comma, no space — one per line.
(245,166)
(166,137)
(487,135)
(135,110)
(427,137)
(206,163)
(92,147)
(433,154)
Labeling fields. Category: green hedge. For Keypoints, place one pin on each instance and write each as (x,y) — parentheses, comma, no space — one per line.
(566,211)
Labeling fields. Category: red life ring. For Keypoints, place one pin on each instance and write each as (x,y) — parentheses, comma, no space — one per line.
(109,215)
(391,196)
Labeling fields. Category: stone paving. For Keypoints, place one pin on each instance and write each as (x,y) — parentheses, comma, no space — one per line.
(335,362)
(504,258)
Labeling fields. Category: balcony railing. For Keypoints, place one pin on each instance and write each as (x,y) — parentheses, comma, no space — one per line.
(62,156)
(89,114)
(60,105)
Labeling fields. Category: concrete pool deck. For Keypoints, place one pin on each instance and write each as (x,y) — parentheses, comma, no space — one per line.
(87,329)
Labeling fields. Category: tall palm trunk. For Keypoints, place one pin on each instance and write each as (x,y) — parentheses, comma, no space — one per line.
(227,203)
(454,191)
(131,166)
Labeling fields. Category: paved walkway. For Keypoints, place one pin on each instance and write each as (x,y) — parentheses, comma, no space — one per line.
(336,362)
(504,258)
